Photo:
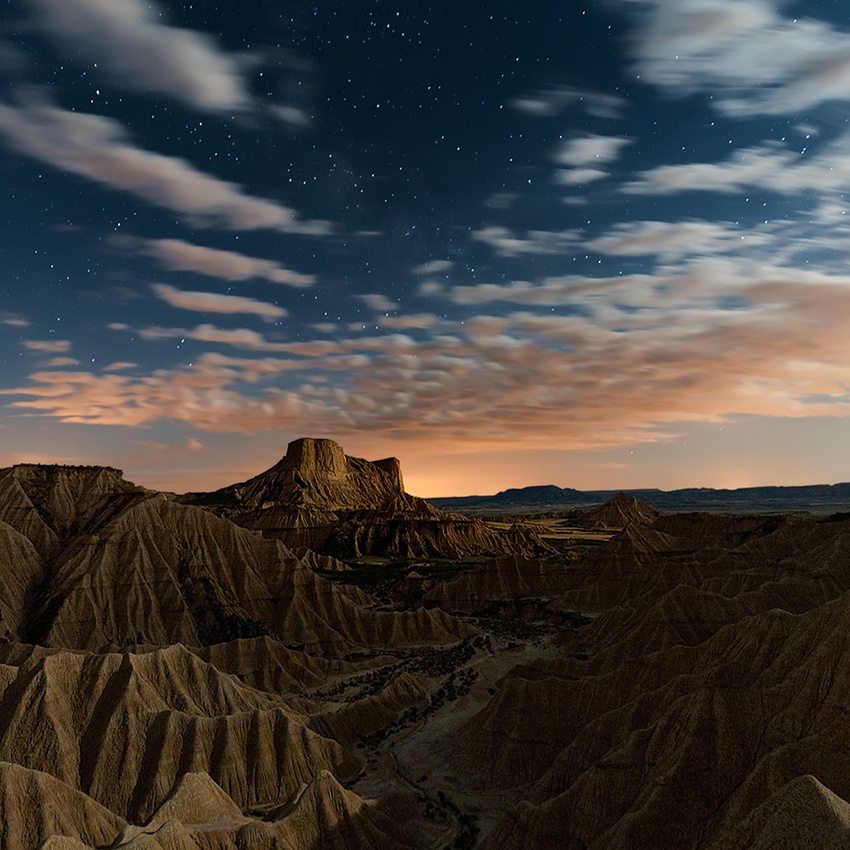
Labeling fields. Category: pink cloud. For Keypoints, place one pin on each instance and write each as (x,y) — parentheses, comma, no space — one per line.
(527,379)
(54,346)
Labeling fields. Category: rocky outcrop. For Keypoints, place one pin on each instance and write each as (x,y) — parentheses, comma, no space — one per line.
(320,498)
(35,805)
(326,815)
(22,571)
(802,814)
(49,504)
(136,568)
(200,743)
(620,511)
(197,799)
(124,728)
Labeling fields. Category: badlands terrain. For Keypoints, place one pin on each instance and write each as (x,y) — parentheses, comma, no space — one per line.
(315,659)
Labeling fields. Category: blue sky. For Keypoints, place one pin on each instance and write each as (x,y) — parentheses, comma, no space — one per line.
(596,245)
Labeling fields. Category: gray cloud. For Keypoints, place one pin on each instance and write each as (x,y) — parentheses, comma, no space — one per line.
(591,150)
(378,302)
(177,255)
(767,166)
(509,244)
(99,149)
(553,100)
(127,40)
(751,57)
(236,337)
(674,240)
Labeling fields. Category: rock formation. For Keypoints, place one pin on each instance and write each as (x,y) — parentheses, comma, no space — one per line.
(180,678)
(620,511)
(319,497)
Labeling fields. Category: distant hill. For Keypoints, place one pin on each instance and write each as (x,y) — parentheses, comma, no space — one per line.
(816,498)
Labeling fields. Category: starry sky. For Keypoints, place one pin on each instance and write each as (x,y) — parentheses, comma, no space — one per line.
(597,244)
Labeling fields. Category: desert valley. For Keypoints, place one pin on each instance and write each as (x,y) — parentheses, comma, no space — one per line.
(315,659)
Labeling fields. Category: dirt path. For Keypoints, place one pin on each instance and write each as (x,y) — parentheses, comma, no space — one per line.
(417,758)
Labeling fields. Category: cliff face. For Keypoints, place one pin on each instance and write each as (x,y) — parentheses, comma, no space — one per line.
(319,497)
(317,473)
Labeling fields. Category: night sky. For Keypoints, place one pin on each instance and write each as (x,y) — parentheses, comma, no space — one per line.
(592,244)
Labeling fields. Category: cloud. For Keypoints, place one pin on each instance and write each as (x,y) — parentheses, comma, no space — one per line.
(752,166)
(208,302)
(508,244)
(674,240)
(54,346)
(747,54)
(619,359)
(378,302)
(177,255)
(578,176)
(292,115)
(59,362)
(553,100)
(768,166)
(128,40)
(419,320)
(13,319)
(433,267)
(99,149)
(591,150)
(237,337)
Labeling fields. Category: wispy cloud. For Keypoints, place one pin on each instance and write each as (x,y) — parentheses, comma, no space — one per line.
(177,255)
(591,150)
(53,346)
(210,302)
(378,302)
(626,359)
(770,166)
(128,40)
(580,158)
(508,244)
(553,100)
(433,267)
(100,149)
(751,57)
(752,166)
(417,320)
(578,176)
(674,240)
(236,337)
(292,115)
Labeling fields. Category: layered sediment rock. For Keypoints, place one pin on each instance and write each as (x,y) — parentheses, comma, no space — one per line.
(319,497)
(704,705)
